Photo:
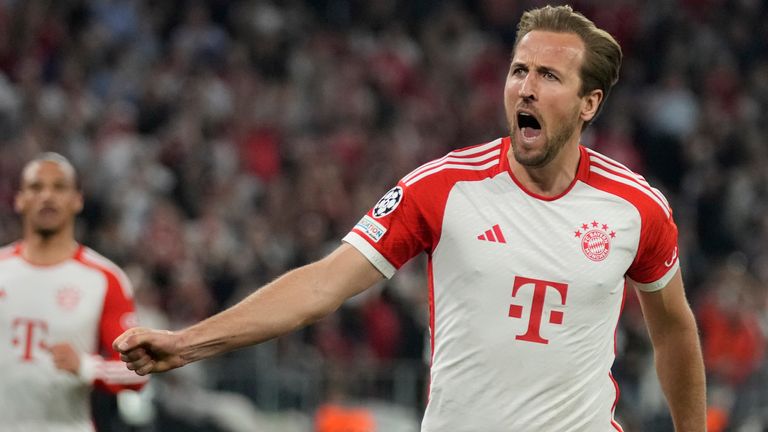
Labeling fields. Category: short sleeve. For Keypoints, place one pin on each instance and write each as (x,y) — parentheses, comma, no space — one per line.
(118,314)
(393,231)
(657,255)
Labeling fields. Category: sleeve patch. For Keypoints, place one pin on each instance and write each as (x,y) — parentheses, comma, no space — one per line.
(374,230)
(388,203)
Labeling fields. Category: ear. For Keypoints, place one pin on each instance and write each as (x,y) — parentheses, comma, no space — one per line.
(78,202)
(18,205)
(590,104)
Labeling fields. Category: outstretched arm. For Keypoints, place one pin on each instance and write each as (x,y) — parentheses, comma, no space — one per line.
(294,300)
(677,351)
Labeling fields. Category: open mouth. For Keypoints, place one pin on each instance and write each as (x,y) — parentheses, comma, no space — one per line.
(528,124)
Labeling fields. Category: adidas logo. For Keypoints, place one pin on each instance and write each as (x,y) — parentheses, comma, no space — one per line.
(493,235)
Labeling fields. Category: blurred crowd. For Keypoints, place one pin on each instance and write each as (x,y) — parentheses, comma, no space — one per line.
(221,143)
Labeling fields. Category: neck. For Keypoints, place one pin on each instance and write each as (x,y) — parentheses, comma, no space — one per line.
(49,249)
(551,179)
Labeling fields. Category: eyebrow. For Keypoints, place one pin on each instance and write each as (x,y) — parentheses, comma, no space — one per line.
(522,65)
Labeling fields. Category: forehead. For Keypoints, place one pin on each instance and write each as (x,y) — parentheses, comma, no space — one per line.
(552,49)
(46,170)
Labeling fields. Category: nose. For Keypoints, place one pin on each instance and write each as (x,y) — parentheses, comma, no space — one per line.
(528,87)
(47,194)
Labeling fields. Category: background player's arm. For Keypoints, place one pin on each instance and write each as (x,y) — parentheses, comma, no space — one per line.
(65,357)
(296,299)
(677,351)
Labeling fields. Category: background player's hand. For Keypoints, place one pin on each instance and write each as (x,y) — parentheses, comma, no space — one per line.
(148,351)
(65,357)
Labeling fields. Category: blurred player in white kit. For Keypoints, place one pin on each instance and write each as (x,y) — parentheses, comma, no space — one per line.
(61,305)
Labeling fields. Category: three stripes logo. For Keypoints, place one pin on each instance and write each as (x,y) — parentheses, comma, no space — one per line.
(493,235)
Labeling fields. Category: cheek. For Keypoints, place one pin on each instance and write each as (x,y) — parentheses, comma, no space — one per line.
(72,203)
(25,201)
(566,109)
(509,98)
(510,90)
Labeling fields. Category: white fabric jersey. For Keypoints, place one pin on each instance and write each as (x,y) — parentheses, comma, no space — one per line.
(525,291)
(84,301)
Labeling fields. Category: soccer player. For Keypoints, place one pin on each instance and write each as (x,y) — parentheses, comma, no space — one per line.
(532,241)
(61,306)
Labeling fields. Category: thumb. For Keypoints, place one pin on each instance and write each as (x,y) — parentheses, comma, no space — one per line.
(130,339)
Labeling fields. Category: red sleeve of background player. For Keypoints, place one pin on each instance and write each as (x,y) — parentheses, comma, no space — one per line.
(103,368)
(117,316)
(657,254)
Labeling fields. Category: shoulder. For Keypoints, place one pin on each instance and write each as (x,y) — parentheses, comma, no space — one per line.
(466,164)
(616,179)
(9,251)
(114,274)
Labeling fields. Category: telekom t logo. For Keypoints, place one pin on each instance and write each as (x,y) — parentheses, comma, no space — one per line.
(29,333)
(533,333)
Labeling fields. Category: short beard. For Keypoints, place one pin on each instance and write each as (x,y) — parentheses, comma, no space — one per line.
(555,144)
(46,233)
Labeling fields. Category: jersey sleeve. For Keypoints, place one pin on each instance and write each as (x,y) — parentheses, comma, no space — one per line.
(395,230)
(657,253)
(105,369)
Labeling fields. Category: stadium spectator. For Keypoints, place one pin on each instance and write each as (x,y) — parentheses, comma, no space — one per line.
(732,341)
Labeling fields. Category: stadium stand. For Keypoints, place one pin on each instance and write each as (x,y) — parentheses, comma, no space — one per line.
(223,142)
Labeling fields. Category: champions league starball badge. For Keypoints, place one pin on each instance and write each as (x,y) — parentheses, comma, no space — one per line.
(388,203)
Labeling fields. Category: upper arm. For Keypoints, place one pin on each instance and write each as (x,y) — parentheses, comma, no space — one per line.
(117,316)
(667,309)
(344,273)
(117,313)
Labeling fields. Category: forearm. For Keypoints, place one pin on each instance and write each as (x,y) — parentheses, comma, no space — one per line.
(294,300)
(680,368)
(285,304)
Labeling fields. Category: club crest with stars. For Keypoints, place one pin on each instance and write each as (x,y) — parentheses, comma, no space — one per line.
(595,239)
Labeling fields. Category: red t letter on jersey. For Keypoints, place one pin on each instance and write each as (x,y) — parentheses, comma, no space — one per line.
(26,326)
(537,307)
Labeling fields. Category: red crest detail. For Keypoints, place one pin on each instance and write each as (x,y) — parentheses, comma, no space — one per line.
(595,242)
(68,298)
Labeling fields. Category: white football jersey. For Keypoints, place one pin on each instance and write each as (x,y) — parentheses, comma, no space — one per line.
(84,301)
(525,291)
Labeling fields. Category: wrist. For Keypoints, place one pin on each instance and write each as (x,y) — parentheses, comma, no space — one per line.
(182,346)
(87,369)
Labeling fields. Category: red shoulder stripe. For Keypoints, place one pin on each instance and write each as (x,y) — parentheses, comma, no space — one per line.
(475,158)
(618,167)
(628,178)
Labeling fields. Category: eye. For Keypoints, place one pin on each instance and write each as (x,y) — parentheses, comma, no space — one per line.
(549,76)
(35,187)
(517,71)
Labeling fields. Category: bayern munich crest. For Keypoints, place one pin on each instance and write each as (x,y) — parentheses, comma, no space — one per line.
(595,239)
(388,203)
(68,297)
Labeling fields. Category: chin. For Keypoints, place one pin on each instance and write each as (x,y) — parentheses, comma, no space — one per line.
(535,157)
(47,231)
(533,161)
